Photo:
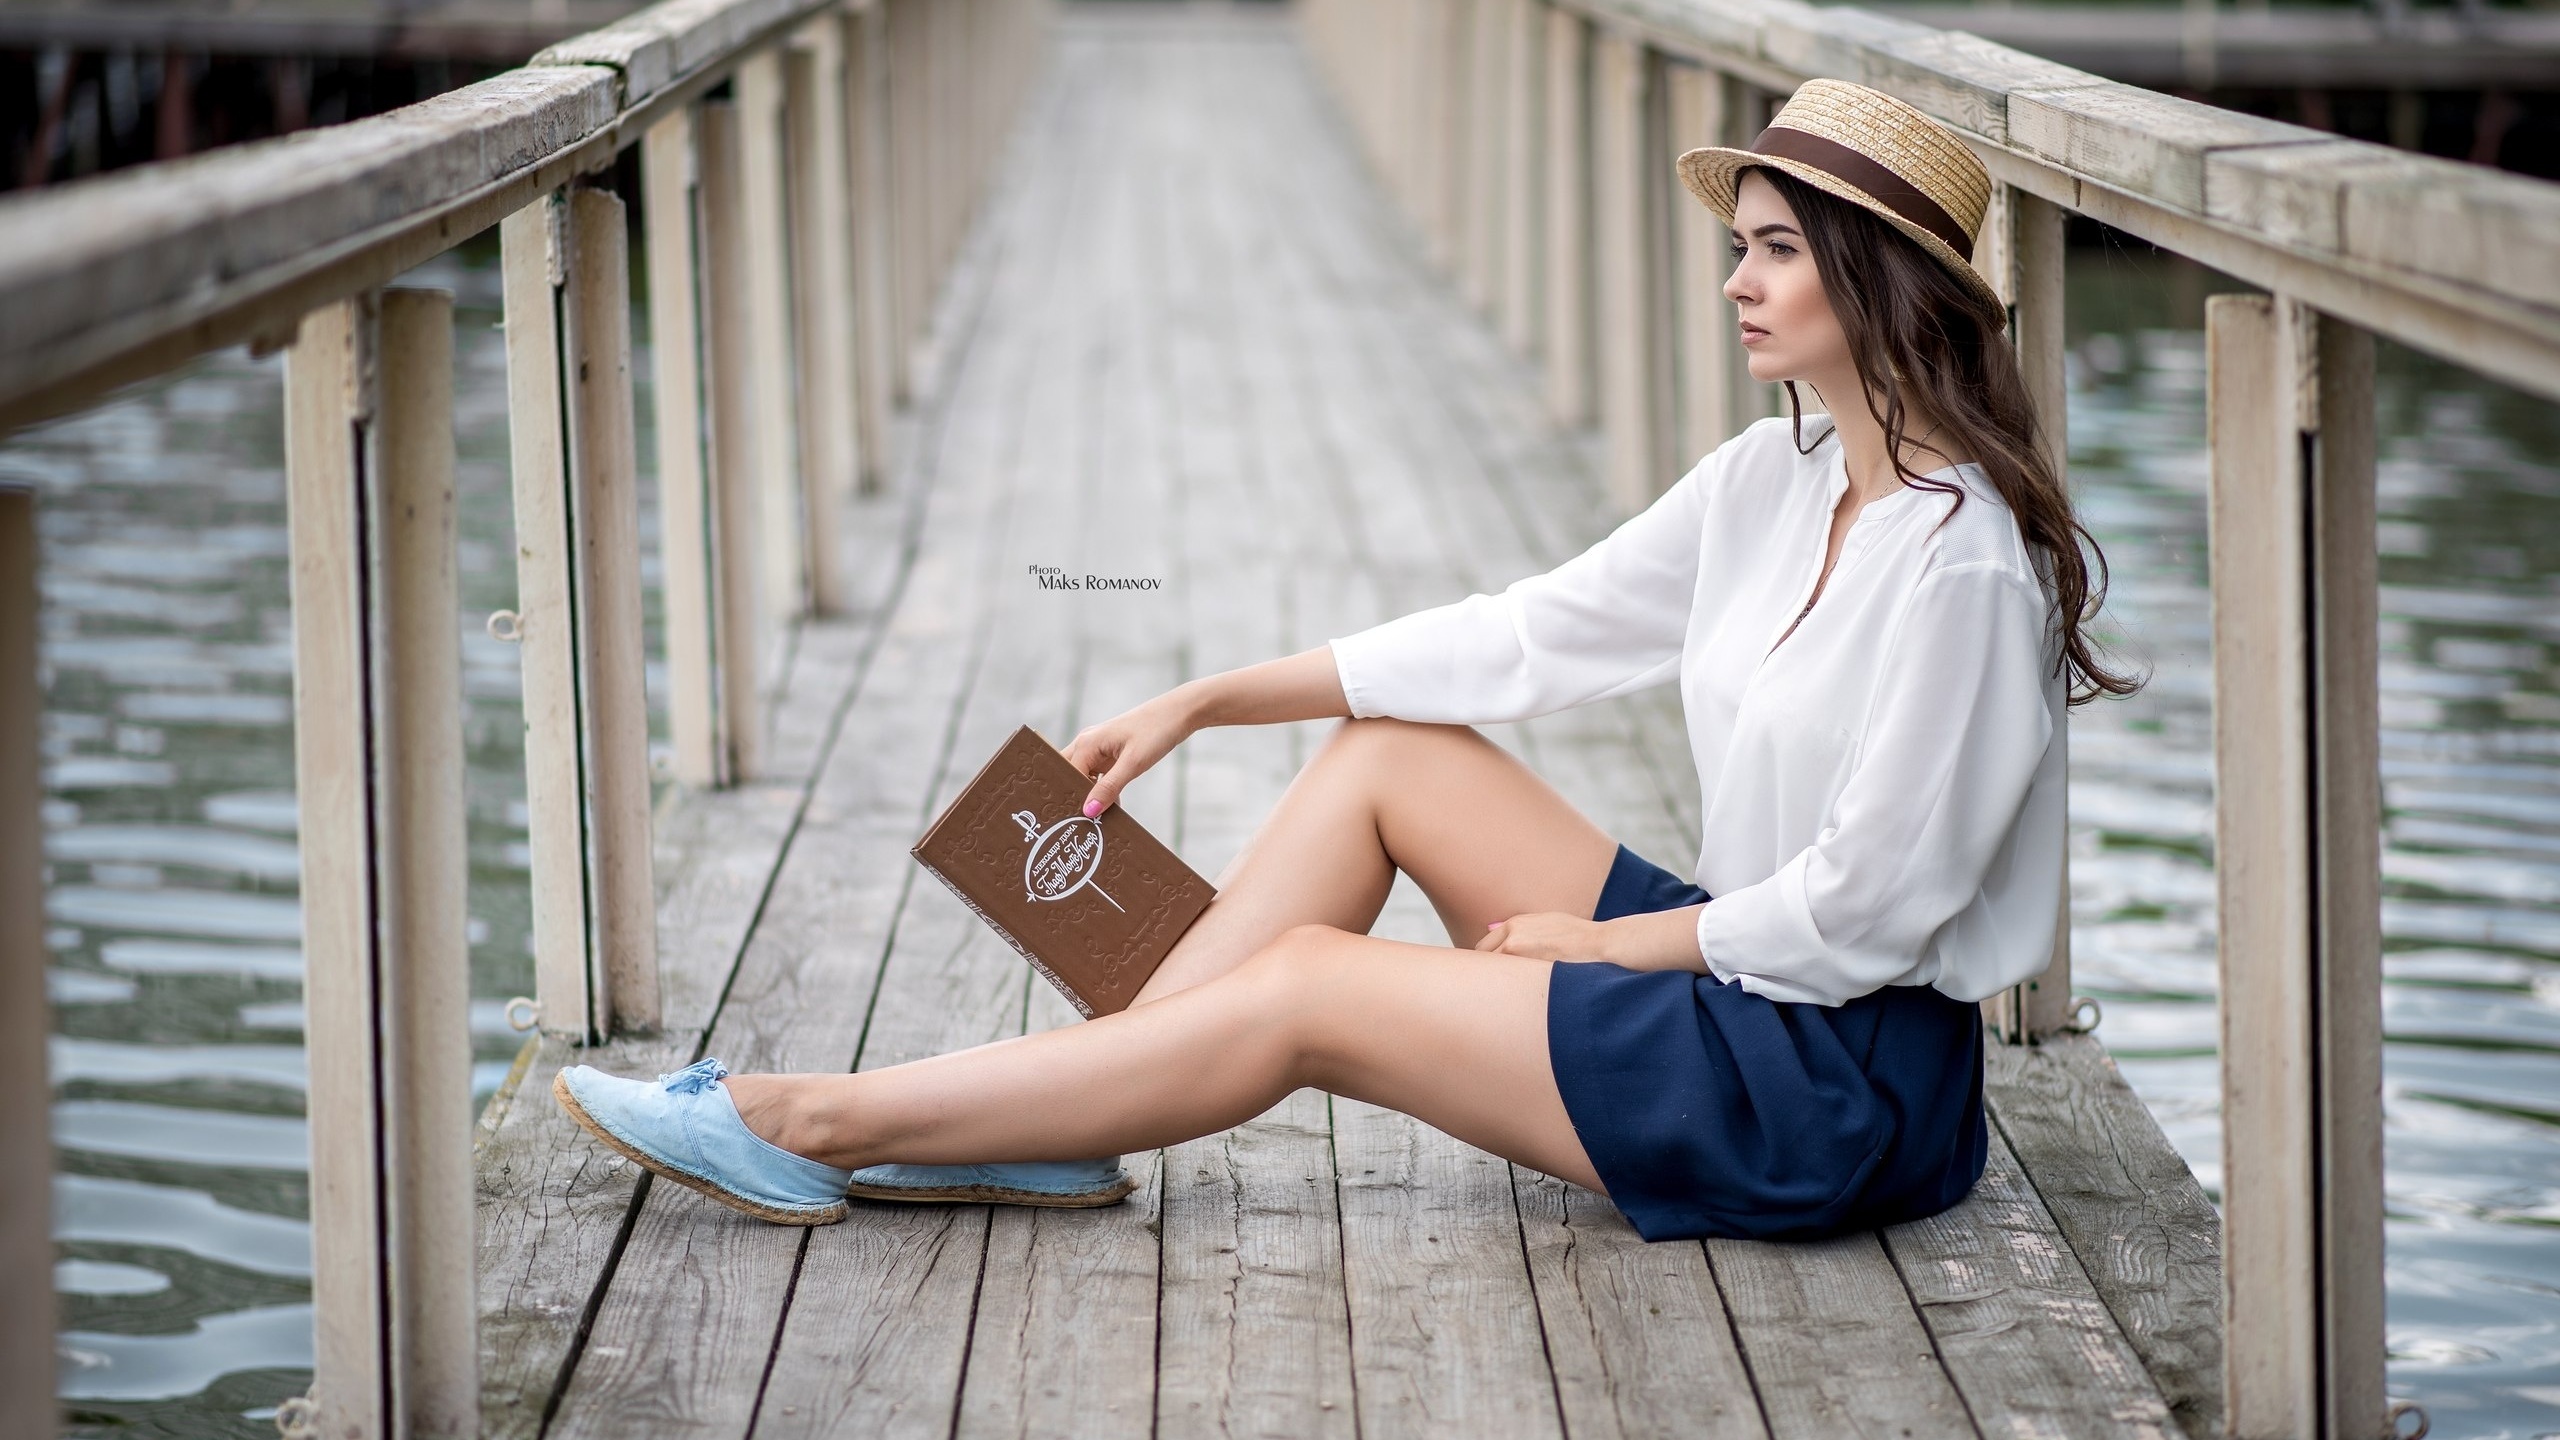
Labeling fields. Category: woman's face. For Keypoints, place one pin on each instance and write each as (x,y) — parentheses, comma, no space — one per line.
(1788,330)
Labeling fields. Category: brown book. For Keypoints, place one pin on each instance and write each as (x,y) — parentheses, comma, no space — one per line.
(1093,904)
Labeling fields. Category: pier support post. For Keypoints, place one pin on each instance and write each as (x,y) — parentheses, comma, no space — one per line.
(2297,867)
(684,500)
(1488,36)
(26,1134)
(822,289)
(735,444)
(1713,389)
(1568,298)
(378,776)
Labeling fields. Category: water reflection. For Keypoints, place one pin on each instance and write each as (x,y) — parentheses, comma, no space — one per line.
(175,925)
(2470,540)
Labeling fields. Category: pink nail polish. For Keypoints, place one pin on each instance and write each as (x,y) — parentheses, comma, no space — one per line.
(1092,808)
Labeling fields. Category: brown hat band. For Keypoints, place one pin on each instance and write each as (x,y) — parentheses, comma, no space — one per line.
(1784,142)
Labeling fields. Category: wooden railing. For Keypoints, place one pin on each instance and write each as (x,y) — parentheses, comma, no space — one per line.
(808,168)
(1532,142)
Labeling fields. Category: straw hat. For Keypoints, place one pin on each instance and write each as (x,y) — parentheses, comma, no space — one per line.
(1873,150)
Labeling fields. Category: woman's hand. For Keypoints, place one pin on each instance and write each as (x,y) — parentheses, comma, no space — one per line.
(1304,686)
(1548,935)
(1122,748)
(1653,940)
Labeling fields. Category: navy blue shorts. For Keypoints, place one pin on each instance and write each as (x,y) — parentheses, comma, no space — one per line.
(1708,1110)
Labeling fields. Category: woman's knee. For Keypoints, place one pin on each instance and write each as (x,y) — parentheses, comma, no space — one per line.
(1292,981)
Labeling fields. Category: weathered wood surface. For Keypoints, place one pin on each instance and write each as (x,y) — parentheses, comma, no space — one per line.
(1188,341)
(2136,1219)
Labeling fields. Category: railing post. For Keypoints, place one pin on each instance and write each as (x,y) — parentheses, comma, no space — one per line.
(2297,867)
(1715,392)
(1524,177)
(1568,210)
(770,345)
(721,191)
(1488,31)
(1629,166)
(684,502)
(904,26)
(822,287)
(2022,253)
(378,772)
(545,607)
(587,785)
(26,1136)
(614,699)
(866,112)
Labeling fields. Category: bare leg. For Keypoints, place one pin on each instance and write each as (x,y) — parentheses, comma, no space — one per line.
(1456,1039)
(1484,836)
(1279,986)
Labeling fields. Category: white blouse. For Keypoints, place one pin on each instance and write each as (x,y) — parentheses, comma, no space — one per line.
(1882,793)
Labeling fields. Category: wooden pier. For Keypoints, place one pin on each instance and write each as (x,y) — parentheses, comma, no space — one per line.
(1313,316)
(1191,342)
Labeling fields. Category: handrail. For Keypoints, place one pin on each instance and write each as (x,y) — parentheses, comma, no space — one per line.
(115,278)
(2457,259)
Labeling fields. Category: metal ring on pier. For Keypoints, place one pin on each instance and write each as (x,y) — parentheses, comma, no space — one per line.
(2401,1409)
(526,1006)
(506,625)
(2078,1026)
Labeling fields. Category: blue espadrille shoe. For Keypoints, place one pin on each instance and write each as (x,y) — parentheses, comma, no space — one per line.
(1065,1183)
(684,1126)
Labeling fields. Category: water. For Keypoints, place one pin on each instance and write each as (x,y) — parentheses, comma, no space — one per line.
(181,1191)
(2470,540)
(185,1257)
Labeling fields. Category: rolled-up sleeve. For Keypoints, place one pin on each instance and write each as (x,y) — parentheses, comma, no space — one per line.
(1961,723)
(1607,622)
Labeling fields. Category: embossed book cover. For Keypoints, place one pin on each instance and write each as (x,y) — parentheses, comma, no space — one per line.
(1093,904)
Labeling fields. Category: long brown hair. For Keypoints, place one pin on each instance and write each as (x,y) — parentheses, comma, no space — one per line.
(1915,329)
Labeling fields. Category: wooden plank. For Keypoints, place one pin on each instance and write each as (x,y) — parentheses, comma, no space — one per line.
(326,392)
(2017,1322)
(656,47)
(614,709)
(1624,208)
(1253,1335)
(771,351)
(2152,145)
(870,231)
(27,1360)
(822,287)
(1524,143)
(670,1340)
(2262,728)
(554,778)
(1568,279)
(736,447)
(2347,795)
(87,271)
(1445,1337)
(2137,1222)
(684,503)
(1706,351)
(1637,1332)
(1832,1340)
(1487,132)
(419,867)
(553,1206)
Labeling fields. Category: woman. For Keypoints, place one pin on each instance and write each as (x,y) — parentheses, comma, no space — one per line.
(1875,630)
